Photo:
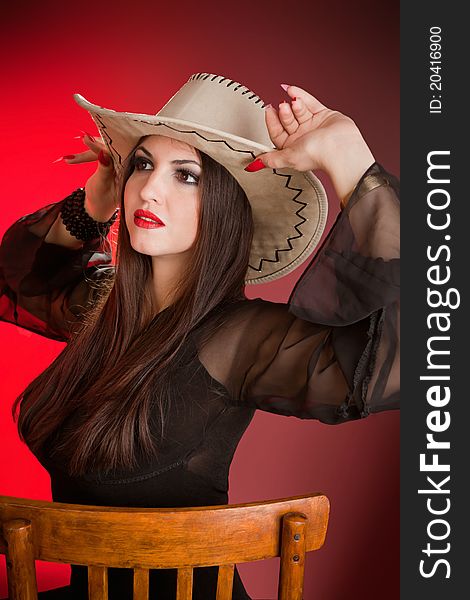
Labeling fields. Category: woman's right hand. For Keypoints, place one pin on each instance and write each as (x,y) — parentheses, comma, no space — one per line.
(101,188)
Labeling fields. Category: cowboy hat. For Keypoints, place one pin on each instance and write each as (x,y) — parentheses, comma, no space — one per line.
(226,120)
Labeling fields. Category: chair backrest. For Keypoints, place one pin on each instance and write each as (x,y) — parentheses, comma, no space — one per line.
(159,538)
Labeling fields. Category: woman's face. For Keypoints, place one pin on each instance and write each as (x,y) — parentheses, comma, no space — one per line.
(165,182)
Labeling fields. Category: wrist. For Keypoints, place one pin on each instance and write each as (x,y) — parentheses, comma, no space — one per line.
(98,213)
(78,222)
(350,161)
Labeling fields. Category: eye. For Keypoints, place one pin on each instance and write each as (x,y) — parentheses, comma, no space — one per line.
(139,162)
(185,176)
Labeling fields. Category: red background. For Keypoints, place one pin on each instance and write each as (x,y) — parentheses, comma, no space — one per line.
(133,56)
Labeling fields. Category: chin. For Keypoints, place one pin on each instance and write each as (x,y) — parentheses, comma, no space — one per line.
(142,247)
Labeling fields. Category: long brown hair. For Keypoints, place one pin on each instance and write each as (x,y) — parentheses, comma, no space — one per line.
(116,369)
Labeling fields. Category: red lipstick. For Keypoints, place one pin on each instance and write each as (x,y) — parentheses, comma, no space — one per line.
(147,220)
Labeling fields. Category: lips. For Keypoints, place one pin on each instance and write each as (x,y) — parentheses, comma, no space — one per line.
(149,215)
(150,221)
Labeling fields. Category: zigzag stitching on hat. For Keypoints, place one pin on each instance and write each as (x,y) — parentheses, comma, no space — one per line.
(288,178)
(220,79)
(196,133)
(293,237)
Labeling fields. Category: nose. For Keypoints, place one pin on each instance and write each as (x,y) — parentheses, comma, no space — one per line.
(152,190)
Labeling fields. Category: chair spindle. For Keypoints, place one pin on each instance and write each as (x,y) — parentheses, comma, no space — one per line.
(97,583)
(184,586)
(292,566)
(22,584)
(225,582)
(141,583)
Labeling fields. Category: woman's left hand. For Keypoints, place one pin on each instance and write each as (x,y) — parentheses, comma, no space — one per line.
(310,136)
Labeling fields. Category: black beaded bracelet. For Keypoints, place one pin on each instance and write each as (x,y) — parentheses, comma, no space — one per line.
(78,222)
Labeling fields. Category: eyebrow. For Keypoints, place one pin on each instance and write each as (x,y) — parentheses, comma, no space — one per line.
(173,162)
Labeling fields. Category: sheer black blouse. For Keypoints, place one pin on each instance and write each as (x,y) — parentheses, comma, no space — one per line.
(330,353)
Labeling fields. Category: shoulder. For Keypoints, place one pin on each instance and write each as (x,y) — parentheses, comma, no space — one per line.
(245,322)
(235,334)
(251,310)
(256,320)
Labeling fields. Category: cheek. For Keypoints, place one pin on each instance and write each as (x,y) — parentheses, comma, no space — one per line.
(129,198)
(126,206)
(195,213)
(190,220)
(129,191)
(126,198)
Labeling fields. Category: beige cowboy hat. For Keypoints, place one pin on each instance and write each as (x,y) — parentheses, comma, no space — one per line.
(226,120)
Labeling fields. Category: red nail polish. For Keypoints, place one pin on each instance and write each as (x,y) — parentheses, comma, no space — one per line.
(88,134)
(69,156)
(256,165)
(104,158)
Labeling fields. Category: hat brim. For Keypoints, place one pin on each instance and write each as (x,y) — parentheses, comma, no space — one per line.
(289,208)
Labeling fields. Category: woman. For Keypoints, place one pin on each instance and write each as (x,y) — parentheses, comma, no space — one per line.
(167,359)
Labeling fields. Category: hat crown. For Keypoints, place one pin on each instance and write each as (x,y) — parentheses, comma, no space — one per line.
(218,103)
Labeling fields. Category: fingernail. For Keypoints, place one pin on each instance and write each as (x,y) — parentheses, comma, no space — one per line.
(88,134)
(256,165)
(67,157)
(268,106)
(284,86)
(104,158)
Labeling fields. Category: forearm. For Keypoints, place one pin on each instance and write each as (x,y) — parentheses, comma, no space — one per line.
(45,286)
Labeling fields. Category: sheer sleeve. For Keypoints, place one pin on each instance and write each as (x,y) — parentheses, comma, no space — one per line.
(332,352)
(45,287)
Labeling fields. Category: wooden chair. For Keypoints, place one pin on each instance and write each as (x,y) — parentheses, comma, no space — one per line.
(160,538)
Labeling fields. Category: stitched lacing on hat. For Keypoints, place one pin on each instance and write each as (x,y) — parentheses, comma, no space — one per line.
(220,79)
